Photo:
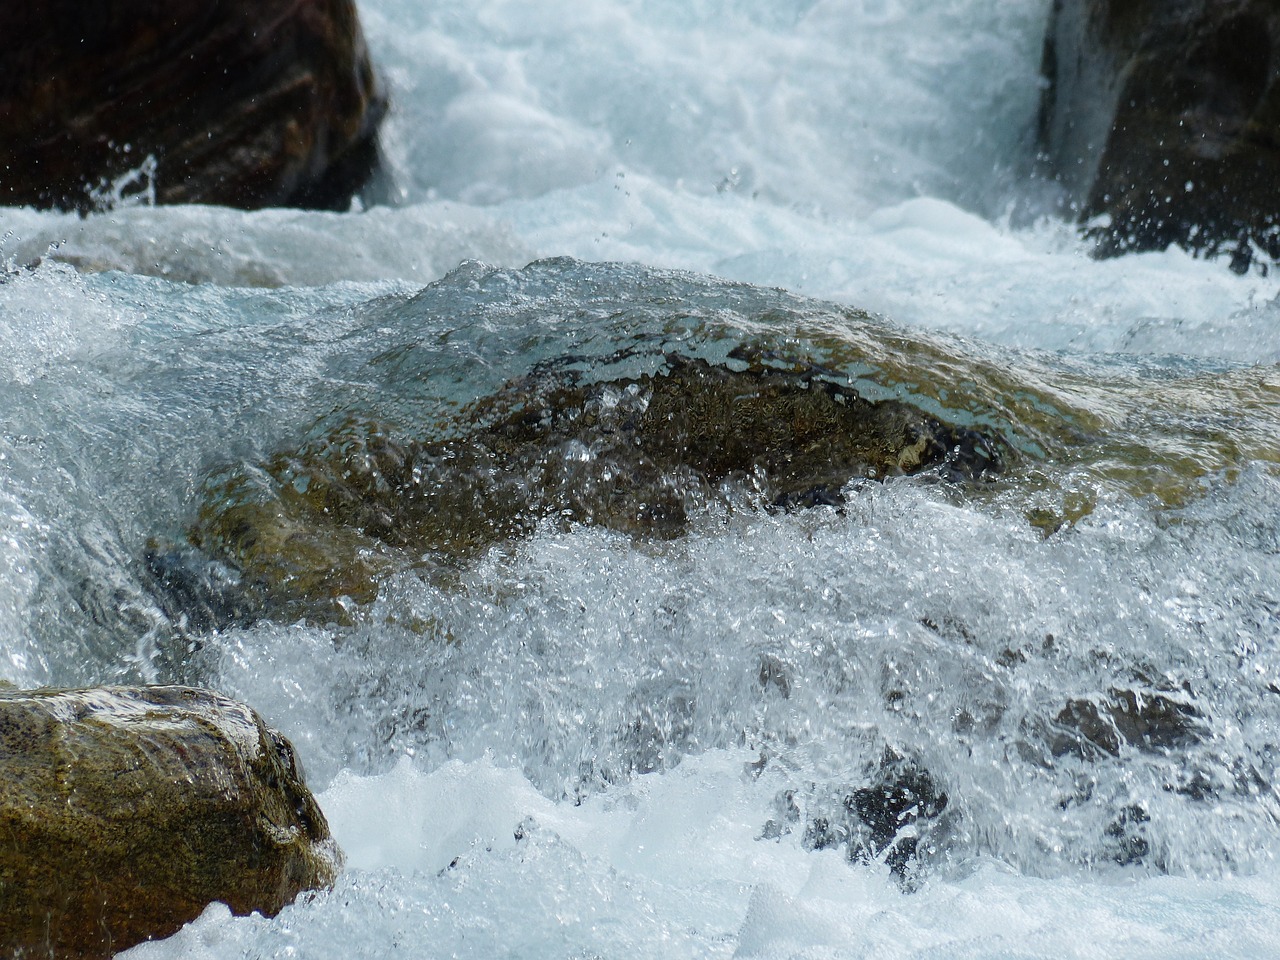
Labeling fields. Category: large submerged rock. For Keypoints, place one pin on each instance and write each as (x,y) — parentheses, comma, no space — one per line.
(1162,120)
(244,104)
(125,811)
(315,528)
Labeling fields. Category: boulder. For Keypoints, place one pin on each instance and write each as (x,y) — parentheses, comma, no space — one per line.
(124,811)
(243,103)
(1161,118)
(314,528)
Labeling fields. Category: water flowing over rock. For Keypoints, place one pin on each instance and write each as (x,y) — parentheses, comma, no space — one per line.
(495,402)
(621,519)
(314,528)
(1145,720)
(896,815)
(1161,120)
(239,104)
(124,811)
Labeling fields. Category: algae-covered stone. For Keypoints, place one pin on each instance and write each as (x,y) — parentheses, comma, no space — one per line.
(124,811)
(314,529)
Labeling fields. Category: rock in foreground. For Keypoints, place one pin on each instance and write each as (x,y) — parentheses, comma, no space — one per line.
(238,103)
(1164,117)
(125,811)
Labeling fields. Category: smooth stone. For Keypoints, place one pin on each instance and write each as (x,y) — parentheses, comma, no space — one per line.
(125,811)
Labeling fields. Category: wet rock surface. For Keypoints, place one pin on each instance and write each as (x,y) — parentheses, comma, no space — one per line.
(891,818)
(124,811)
(1145,720)
(1164,119)
(314,529)
(233,103)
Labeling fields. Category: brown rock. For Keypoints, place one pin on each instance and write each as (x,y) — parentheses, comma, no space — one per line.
(124,811)
(1146,720)
(314,528)
(232,102)
(1164,116)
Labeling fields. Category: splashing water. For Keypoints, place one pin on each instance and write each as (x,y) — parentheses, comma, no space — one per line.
(1033,716)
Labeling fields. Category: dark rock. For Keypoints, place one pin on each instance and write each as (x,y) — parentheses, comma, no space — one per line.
(1164,116)
(893,812)
(1150,721)
(124,811)
(659,728)
(888,819)
(199,595)
(788,815)
(825,833)
(774,673)
(319,526)
(1126,836)
(1210,780)
(244,104)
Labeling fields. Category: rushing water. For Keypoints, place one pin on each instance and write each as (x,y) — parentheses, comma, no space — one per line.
(584,743)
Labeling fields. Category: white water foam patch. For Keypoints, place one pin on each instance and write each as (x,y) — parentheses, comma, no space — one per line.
(925,263)
(484,866)
(812,104)
(837,149)
(956,636)
(832,148)
(50,318)
(22,661)
(470,861)
(265,248)
(783,146)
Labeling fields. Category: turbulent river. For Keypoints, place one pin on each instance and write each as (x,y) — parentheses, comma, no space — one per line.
(1025,712)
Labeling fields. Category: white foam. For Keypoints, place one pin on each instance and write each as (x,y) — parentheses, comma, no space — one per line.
(21,535)
(862,152)
(267,247)
(669,868)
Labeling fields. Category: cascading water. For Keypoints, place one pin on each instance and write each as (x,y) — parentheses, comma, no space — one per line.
(1029,711)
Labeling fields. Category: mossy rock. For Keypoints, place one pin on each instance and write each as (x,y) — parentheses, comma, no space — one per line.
(124,811)
(311,531)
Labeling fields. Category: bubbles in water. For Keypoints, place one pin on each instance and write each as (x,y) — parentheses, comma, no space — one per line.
(723,744)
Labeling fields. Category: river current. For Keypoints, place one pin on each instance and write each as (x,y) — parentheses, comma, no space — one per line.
(1062,681)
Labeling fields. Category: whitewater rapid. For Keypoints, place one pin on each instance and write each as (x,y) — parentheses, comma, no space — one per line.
(579,757)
